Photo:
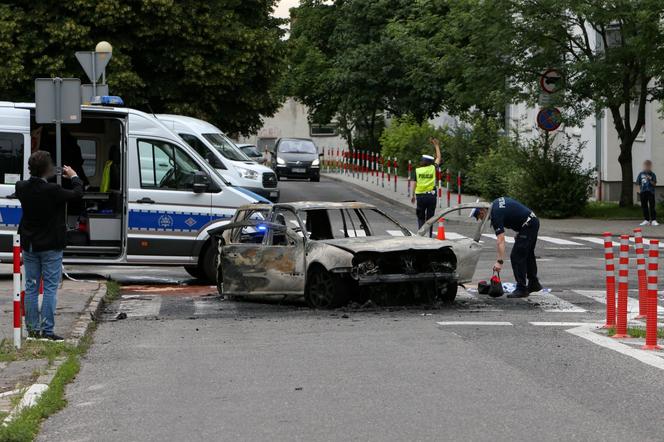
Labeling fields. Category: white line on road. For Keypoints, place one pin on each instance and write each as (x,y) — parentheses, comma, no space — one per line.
(600,296)
(645,356)
(562,324)
(591,239)
(508,239)
(474,323)
(452,235)
(559,241)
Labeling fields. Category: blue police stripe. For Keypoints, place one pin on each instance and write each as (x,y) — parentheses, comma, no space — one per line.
(10,215)
(256,196)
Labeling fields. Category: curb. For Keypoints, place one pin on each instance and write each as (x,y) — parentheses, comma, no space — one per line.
(80,328)
(371,192)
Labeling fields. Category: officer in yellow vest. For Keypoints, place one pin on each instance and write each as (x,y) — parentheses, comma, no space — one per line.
(425,186)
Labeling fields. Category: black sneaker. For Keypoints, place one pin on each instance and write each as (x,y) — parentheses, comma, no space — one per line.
(534,286)
(518,293)
(33,336)
(54,338)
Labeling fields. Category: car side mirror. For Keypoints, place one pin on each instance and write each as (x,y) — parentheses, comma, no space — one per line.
(201,182)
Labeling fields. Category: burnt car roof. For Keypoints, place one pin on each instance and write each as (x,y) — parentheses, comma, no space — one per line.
(312,205)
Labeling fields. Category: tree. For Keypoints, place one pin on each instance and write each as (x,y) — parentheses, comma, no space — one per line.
(217,60)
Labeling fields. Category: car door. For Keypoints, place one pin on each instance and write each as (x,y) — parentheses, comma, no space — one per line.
(165,214)
(15,145)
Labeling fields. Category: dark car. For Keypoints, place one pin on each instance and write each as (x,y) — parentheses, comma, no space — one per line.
(296,158)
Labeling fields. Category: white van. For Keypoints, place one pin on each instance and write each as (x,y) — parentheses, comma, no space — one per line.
(233,164)
(155,206)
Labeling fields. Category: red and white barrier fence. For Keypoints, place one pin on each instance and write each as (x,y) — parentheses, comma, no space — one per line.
(17,290)
(610,282)
(641,271)
(651,300)
(447,178)
(396,172)
(623,287)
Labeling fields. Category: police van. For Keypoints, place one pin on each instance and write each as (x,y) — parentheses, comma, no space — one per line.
(224,155)
(149,197)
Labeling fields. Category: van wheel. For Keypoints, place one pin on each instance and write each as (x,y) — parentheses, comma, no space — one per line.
(209,261)
(195,272)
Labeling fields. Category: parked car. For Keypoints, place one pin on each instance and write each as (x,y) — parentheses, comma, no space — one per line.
(331,253)
(252,152)
(296,158)
(223,155)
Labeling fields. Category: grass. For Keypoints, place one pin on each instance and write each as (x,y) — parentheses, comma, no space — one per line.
(606,210)
(637,332)
(25,426)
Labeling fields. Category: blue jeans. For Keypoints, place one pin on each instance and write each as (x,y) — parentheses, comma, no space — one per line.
(45,265)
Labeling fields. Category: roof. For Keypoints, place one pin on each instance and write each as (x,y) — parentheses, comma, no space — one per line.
(312,205)
(195,124)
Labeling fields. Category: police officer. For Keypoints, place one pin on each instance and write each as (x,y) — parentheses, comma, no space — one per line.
(425,186)
(508,213)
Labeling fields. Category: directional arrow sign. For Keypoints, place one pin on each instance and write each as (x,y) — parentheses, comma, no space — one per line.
(93,63)
(551,81)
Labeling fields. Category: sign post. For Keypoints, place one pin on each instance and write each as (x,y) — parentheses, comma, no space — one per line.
(549,117)
(58,101)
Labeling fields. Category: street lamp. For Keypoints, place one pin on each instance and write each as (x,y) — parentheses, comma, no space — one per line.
(104,48)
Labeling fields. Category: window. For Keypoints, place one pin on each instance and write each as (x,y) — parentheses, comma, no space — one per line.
(286,218)
(89,154)
(226,147)
(203,150)
(382,225)
(165,166)
(11,157)
(323,130)
(297,146)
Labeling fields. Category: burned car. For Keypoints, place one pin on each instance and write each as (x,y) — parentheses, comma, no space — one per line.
(335,252)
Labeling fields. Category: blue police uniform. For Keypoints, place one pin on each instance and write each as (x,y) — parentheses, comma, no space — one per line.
(508,213)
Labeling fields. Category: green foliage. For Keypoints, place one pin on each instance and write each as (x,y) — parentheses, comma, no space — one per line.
(406,139)
(498,172)
(219,60)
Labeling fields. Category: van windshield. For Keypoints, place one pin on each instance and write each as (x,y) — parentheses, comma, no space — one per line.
(297,146)
(225,147)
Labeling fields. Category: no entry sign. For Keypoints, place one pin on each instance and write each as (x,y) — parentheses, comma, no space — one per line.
(549,119)
(551,81)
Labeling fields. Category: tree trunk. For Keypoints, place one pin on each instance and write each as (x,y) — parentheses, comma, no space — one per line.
(627,186)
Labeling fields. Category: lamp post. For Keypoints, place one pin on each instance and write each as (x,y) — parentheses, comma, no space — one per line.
(105,49)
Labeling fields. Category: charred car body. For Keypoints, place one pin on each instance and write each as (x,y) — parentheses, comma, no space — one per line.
(332,253)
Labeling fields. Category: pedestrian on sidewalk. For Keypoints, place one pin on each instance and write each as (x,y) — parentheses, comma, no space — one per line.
(511,214)
(425,186)
(647,180)
(43,239)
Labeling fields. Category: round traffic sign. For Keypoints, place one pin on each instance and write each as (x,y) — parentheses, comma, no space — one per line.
(549,119)
(551,81)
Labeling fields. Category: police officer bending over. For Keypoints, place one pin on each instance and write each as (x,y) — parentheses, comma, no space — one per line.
(511,214)
(425,186)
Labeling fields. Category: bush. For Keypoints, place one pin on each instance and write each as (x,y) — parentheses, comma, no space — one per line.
(406,140)
(548,177)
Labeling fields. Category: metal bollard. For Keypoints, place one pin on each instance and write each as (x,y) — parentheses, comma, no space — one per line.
(623,287)
(651,303)
(610,281)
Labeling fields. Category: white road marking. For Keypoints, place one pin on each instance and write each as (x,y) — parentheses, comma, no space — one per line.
(508,239)
(552,304)
(559,241)
(563,324)
(453,236)
(474,323)
(645,356)
(591,239)
(600,296)
(137,306)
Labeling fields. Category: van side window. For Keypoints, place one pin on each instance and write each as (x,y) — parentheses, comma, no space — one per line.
(165,166)
(11,157)
(89,153)
(202,150)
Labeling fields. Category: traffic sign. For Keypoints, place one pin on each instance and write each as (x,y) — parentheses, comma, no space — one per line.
(551,81)
(57,100)
(549,119)
(93,63)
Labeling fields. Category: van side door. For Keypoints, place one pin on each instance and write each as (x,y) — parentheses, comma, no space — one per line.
(165,214)
(15,148)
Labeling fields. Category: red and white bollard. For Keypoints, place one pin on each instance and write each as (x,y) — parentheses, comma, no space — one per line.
(439,180)
(396,173)
(651,300)
(610,282)
(458,188)
(641,272)
(410,170)
(382,171)
(623,287)
(375,166)
(17,291)
(389,171)
(449,197)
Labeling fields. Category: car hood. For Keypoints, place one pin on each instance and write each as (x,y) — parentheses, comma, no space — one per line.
(386,243)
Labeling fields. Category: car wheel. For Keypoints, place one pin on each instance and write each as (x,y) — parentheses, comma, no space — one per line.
(195,271)
(315,179)
(210,259)
(448,292)
(322,290)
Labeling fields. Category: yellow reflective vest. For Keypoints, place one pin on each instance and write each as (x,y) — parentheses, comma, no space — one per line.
(425,179)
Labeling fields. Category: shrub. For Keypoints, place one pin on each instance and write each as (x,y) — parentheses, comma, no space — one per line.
(496,173)
(407,140)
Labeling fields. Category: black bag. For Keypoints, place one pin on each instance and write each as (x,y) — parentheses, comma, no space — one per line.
(483,287)
(496,286)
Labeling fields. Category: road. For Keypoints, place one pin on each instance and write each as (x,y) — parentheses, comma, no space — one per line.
(187,365)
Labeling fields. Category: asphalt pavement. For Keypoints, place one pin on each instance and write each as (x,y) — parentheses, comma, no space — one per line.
(189,365)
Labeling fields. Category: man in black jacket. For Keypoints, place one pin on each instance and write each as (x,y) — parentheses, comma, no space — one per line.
(43,237)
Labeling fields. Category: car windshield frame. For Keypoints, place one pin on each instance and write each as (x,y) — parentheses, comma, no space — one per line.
(297,147)
(225,147)
(254,151)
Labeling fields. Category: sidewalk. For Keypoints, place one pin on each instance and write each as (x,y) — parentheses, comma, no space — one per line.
(570,226)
